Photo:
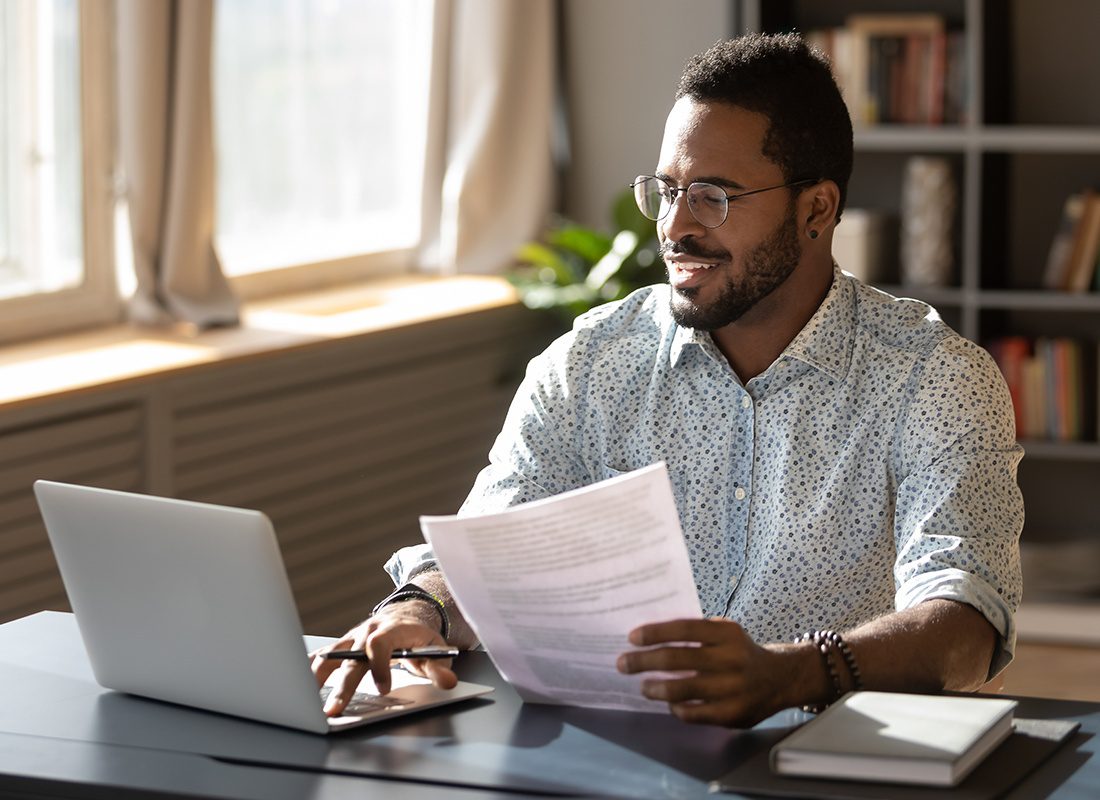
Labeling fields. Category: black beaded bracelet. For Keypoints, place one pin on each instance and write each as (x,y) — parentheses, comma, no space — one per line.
(825,642)
(824,646)
(849,660)
(410,591)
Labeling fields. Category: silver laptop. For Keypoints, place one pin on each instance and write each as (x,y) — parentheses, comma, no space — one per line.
(190,603)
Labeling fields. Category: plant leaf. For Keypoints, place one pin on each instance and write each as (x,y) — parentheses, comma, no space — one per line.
(589,245)
(542,256)
(622,248)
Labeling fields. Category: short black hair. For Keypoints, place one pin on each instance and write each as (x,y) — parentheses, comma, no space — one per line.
(809,131)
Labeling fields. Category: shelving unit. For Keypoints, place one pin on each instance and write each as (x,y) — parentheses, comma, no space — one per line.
(1031,137)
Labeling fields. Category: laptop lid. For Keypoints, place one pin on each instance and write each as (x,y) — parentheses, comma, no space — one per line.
(190,603)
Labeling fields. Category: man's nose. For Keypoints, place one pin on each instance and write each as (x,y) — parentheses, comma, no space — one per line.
(680,221)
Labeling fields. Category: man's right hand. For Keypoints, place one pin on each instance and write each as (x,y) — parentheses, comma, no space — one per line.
(392,628)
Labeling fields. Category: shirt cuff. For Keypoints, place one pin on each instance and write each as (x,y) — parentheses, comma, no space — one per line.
(409,562)
(964,587)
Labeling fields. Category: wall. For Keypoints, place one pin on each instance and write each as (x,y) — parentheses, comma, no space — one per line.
(343,443)
(623,59)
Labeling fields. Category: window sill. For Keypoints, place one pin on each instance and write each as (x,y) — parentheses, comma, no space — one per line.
(73,364)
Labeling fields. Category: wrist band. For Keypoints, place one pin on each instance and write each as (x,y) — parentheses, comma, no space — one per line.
(410,591)
(826,642)
(849,660)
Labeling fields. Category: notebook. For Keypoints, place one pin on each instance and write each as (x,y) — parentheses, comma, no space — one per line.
(190,603)
(901,738)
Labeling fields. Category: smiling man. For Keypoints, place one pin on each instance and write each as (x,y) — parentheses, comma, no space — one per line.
(844,464)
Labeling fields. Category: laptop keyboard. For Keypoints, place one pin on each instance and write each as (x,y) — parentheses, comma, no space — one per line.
(363,703)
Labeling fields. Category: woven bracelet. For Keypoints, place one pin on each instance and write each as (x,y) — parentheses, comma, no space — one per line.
(410,591)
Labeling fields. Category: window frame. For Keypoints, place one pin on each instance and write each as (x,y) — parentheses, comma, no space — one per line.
(323,274)
(95,301)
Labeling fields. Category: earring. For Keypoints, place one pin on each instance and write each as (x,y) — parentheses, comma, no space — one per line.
(813,234)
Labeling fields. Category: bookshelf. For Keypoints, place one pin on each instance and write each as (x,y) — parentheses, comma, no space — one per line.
(1029,137)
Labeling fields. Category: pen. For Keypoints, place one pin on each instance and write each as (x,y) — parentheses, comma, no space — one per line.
(412,652)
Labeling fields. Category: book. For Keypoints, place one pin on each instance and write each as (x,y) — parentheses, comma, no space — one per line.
(1086,245)
(893,737)
(1061,244)
(1032,743)
(1035,396)
(1010,353)
(955,80)
(876,66)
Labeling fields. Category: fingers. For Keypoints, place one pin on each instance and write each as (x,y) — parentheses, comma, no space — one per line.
(718,686)
(323,667)
(347,681)
(702,631)
(711,669)
(378,637)
(439,672)
(700,644)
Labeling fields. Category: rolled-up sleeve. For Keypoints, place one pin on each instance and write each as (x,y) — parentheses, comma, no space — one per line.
(959,511)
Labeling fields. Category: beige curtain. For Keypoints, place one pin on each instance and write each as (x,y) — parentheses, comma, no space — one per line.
(489,180)
(167,154)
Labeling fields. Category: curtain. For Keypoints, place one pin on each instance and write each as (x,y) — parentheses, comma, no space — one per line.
(167,154)
(489,178)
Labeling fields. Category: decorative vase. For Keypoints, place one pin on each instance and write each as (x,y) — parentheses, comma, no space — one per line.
(928,203)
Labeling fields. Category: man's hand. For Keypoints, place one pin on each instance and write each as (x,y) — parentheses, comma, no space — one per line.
(391,629)
(723,677)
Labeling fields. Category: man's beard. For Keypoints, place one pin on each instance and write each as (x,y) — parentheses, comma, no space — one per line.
(767,266)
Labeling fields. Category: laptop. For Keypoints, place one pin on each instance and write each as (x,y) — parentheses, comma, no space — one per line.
(190,603)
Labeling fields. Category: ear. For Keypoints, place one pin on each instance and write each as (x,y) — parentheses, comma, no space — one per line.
(817,208)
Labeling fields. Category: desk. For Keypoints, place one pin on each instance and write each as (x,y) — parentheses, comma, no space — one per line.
(61,735)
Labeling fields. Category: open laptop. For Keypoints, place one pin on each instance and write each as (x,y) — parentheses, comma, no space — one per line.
(190,603)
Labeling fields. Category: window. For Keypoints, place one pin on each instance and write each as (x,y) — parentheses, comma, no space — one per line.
(51,274)
(321,120)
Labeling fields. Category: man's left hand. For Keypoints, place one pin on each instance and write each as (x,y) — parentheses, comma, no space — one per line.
(722,676)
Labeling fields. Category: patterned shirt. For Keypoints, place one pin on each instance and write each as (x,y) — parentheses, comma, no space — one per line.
(870,467)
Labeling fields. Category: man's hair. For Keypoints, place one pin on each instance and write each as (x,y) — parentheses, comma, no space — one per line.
(809,131)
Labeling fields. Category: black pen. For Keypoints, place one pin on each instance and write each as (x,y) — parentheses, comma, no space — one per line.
(412,652)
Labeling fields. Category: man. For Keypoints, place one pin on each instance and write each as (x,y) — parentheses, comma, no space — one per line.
(843,463)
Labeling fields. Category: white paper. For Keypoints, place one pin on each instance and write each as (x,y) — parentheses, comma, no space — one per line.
(553,587)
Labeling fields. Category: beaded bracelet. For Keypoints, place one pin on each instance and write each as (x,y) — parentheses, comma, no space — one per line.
(849,660)
(823,646)
(410,591)
(825,642)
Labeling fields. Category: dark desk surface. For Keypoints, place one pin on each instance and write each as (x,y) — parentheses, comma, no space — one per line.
(63,735)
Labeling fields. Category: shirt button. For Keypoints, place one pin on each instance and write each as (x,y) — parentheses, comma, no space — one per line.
(746,401)
(739,493)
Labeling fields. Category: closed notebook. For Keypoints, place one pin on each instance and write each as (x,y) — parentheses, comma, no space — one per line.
(931,740)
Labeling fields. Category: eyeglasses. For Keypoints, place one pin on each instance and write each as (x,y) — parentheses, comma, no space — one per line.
(709,204)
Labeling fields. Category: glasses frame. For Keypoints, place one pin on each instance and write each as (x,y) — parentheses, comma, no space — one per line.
(674,190)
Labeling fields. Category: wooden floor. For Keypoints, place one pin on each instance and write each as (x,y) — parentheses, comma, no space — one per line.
(1054,670)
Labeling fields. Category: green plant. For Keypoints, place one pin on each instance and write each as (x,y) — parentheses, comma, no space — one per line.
(573,269)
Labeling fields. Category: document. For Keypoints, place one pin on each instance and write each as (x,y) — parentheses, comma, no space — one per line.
(553,587)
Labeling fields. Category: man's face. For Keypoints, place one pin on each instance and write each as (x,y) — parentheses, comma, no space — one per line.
(719,274)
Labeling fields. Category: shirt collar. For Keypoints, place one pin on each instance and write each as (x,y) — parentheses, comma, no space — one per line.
(683,338)
(825,342)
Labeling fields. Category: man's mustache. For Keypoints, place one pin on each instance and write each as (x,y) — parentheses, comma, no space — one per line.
(690,248)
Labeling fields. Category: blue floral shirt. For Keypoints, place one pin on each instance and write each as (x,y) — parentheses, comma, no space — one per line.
(870,467)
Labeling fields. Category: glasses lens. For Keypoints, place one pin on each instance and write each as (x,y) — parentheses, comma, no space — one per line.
(708,203)
(652,196)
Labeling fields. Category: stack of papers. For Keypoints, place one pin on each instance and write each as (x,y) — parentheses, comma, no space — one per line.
(553,587)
